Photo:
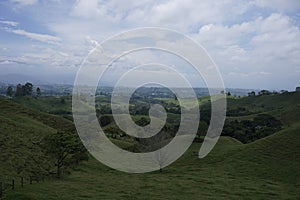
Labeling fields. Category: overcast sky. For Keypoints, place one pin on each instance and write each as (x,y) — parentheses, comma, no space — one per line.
(255,43)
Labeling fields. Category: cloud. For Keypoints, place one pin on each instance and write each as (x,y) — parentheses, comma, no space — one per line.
(262,40)
(253,38)
(6,62)
(88,9)
(255,48)
(9,23)
(281,5)
(35,36)
(24,2)
(181,15)
(186,13)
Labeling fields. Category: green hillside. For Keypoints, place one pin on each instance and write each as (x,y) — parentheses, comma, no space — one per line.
(21,129)
(259,170)
(49,104)
(267,168)
(276,104)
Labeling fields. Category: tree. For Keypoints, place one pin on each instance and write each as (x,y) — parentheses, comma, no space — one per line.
(23,90)
(28,88)
(202,128)
(156,143)
(143,121)
(251,94)
(38,92)
(19,90)
(175,97)
(267,120)
(62,101)
(264,92)
(65,149)
(9,91)
(105,120)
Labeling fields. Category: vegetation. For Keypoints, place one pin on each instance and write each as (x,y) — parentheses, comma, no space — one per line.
(22,131)
(247,131)
(24,90)
(9,91)
(266,167)
(66,150)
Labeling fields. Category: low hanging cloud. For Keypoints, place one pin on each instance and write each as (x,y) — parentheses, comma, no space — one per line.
(35,36)
(9,23)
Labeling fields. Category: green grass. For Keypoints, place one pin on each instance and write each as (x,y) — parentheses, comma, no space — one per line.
(46,104)
(285,107)
(266,103)
(20,128)
(201,100)
(265,169)
(231,171)
(49,104)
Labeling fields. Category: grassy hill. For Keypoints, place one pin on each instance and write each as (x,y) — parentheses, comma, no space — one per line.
(58,105)
(277,105)
(261,170)
(264,169)
(21,128)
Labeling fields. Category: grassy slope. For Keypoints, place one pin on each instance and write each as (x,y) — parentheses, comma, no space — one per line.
(20,128)
(231,171)
(277,105)
(46,104)
(265,169)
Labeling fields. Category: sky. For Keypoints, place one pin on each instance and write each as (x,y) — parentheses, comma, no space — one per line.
(255,43)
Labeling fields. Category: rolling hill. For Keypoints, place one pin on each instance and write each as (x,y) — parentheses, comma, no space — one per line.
(267,168)
(21,128)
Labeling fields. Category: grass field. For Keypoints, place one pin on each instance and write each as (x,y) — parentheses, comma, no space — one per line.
(20,128)
(265,169)
(262,170)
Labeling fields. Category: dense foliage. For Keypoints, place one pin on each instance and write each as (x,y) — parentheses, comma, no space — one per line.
(250,130)
(65,149)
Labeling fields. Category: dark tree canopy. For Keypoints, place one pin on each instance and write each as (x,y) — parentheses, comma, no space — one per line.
(264,92)
(9,91)
(24,90)
(19,90)
(38,91)
(65,149)
(28,88)
(251,94)
(247,131)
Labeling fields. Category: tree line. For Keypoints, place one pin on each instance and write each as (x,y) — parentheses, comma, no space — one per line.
(22,90)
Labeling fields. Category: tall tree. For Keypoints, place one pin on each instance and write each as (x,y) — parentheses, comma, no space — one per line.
(65,149)
(19,90)
(38,92)
(9,91)
(28,88)
(156,143)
